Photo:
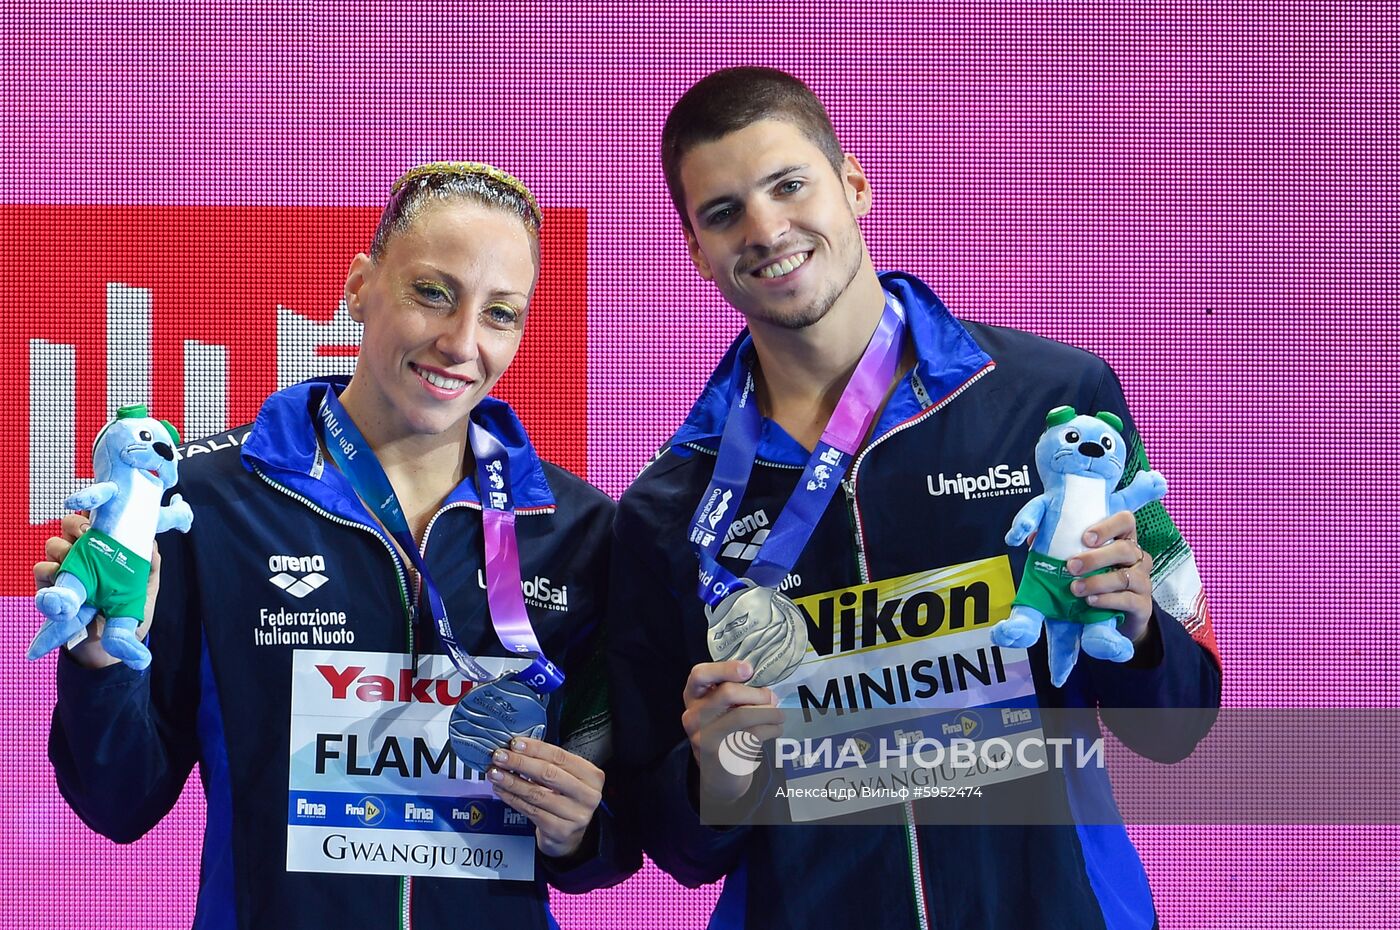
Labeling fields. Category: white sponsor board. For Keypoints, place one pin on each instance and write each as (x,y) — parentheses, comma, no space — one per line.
(374,786)
(905,662)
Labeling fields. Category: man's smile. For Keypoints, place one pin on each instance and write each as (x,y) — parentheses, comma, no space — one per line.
(783,266)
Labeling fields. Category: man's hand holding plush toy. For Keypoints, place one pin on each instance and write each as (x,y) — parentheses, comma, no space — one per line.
(1099,599)
(1127,589)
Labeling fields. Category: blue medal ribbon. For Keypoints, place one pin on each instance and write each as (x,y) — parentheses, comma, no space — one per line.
(504,594)
(826,468)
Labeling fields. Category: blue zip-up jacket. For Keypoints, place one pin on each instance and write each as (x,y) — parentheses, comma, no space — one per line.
(123,742)
(973,405)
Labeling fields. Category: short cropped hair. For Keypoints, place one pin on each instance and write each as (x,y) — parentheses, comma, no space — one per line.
(731,99)
(482,183)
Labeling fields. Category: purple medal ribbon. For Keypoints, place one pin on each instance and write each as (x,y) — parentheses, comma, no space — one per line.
(505,594)
(826,467)
(505,597)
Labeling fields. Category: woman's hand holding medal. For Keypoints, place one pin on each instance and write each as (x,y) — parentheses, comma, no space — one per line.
(557,790)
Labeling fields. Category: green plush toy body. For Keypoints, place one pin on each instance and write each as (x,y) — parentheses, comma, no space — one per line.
(107,570)
(1081,460)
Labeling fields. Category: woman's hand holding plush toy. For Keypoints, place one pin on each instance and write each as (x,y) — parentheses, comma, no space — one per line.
(89,653)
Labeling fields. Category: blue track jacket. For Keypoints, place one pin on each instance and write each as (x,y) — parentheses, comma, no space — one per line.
(974,405)
(123,742)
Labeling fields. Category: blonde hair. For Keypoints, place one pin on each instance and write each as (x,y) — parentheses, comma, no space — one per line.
(442,180)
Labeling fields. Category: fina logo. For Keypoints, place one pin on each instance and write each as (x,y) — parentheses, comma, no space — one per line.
(1014,716)
(967,724)
(309,567)
(862,743)
(825,469)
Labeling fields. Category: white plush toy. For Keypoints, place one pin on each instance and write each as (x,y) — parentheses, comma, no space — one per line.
(1081,459)
(134,461)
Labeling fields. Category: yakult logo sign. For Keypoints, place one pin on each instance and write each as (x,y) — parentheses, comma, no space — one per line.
(352,684)
(997,481)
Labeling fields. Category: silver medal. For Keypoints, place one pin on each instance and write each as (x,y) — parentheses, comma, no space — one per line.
(490,716)
(760,626)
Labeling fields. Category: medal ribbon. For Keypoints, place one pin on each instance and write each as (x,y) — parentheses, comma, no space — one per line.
(825,469)
(505,597)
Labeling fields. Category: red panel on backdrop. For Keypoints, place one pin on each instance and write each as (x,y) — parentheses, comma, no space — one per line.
(202,312)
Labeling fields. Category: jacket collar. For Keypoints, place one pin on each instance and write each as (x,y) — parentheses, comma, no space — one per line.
(283,440)
(947,358)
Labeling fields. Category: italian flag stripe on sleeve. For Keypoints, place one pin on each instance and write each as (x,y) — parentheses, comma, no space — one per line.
(1176,582)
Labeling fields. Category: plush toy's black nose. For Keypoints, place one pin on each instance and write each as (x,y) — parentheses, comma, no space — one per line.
(163,451)
(1091,449)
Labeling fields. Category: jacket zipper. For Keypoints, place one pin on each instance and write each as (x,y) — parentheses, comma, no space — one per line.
(405,882)
(696,447)
(911,833)
(850,482)
(916,874)
(393,556)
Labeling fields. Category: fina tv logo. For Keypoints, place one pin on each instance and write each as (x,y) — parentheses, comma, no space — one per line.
(308,567)
(967,724)
(474,816)
(305,348)
(370,810)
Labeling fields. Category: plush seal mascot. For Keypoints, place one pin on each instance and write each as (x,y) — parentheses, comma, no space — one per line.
(1080,459)
(133,459)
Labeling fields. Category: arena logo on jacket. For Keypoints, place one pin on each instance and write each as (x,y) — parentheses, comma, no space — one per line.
(904,663)
(298,576)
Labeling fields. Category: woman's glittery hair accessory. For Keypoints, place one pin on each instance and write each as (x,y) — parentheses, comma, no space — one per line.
(447,170)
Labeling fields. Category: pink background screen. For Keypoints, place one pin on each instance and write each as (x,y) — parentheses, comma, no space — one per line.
(1203,193)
